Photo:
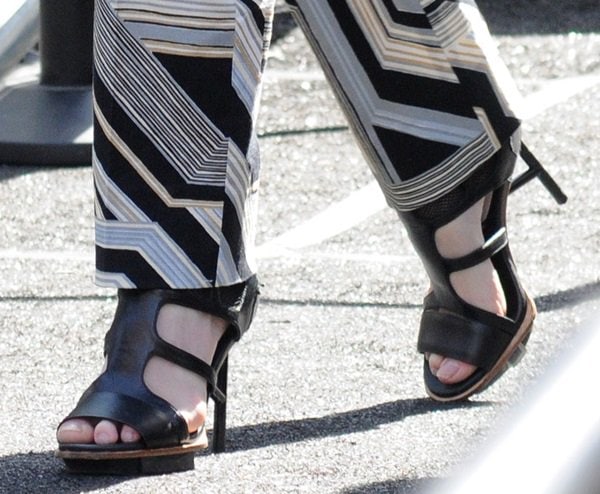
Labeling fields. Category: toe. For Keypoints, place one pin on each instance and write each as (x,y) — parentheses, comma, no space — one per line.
(453,371)
(129,435)
(75,431)
(106,433)
(435,362)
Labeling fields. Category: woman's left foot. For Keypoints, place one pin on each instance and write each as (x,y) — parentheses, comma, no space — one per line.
(479,285)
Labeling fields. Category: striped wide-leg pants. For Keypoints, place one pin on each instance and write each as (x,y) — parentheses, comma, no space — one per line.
(176,91)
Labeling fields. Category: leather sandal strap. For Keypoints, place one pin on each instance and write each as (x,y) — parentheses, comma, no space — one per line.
(158,426)
(188,361)
(492,246)
(474,342)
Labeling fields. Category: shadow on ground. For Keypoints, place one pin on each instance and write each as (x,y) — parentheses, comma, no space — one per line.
(286,432)
(41,472)
(394,486)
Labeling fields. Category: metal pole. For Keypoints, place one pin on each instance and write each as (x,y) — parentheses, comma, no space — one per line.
(66,42)
(49,121)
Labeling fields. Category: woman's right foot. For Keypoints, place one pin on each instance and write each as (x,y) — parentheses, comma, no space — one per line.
(193,331)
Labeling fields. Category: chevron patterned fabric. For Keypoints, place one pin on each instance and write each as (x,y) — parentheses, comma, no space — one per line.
(176,91)
(175,158)
(419,81)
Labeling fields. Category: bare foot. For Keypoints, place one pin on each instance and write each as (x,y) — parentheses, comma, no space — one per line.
(195,332)
(479,285)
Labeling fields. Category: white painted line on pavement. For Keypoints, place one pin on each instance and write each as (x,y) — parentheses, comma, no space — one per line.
(555,92)
(351,211)
(369,200)
(350,257)
(47,255)
(63,256)
(337,218)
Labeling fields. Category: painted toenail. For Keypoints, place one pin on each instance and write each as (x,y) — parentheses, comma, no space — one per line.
(448,370)
(128,436)
(103,438)
(71,427)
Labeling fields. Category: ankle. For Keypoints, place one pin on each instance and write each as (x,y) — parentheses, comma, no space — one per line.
(478,285)
(463,234)
(198,334)
(195,332)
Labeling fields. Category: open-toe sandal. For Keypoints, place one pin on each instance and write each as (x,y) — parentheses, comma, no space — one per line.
(451,327)
(121,396)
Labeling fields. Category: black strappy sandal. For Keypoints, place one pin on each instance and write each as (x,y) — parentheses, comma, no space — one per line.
(451,327)
(121,396)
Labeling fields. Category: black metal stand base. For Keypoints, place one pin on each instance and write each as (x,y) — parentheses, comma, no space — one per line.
(46,125)
(48,122)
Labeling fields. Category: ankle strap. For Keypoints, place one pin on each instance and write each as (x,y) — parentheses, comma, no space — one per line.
(491,247)
(190,362)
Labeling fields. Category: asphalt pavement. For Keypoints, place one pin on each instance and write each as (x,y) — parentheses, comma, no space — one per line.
(326,393)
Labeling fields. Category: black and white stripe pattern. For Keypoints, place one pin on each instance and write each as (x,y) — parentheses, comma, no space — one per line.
(176,89)
(175,163)
(415,81)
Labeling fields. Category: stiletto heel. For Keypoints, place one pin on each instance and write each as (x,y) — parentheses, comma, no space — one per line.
(536,170)
(121,396)
(220,412)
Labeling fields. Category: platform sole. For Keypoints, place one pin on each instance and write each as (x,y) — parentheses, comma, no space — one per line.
(510,357)
(132,462)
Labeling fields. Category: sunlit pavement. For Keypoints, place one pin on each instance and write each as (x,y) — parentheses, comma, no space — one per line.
(326,392)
